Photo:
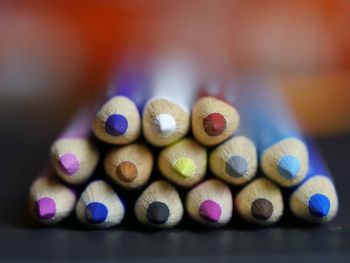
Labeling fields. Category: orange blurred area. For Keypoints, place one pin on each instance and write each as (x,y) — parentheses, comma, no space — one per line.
(50,51)
(321,102)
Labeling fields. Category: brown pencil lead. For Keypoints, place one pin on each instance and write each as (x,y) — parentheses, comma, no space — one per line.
(126,171)
(262,209)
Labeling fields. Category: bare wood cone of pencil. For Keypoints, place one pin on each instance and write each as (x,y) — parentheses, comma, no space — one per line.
(99,206)
(159,206)
(260,202)
(129,166)
(184,163)
(213,120)
(50,201)
(210,203)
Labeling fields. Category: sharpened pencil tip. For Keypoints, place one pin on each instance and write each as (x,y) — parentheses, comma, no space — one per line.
(236,166)
(214,124)
(96,213)
(261,209)
(164,124)
(319,205)
(158,213)
(288,167)
(45,208)
(126,171)
(116,125)
(69,164)
(185,167)
(210,211)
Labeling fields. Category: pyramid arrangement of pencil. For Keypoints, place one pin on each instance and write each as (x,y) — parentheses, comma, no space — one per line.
(160,147)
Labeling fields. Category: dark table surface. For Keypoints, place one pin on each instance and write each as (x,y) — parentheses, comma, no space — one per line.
(24,143)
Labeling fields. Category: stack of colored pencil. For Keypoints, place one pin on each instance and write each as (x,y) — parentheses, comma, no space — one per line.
(206,144)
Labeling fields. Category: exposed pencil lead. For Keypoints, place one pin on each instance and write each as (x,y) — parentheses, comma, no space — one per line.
(116,125)
(96,212)
(45,208)
(319,205)
(165,124)
(69,163)
(288,166)
(214,124)
(126,171)
(236,166)
(185,167)
(158,212)
(262,209)
(210,210)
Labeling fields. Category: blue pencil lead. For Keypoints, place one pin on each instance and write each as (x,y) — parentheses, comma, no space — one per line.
(319,205)
(96,213)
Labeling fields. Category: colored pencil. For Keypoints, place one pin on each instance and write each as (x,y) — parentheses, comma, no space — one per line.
(214,118)
(315,200)
(99,206)
(235,161)
(184,163)
(50,201)
(74,157)
(210,203)
(166,116)
(282,151)
(159,206)
(129,166)
(260,202)
(118,121)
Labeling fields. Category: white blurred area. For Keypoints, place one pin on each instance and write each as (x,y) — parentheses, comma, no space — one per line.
(39,57)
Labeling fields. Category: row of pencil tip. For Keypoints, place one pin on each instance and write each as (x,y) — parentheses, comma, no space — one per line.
(210,203)
(188,134)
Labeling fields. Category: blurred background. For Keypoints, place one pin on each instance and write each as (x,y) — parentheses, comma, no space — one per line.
(55,53)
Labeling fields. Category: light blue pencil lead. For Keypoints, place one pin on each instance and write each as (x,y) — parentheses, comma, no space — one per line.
(288,166)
